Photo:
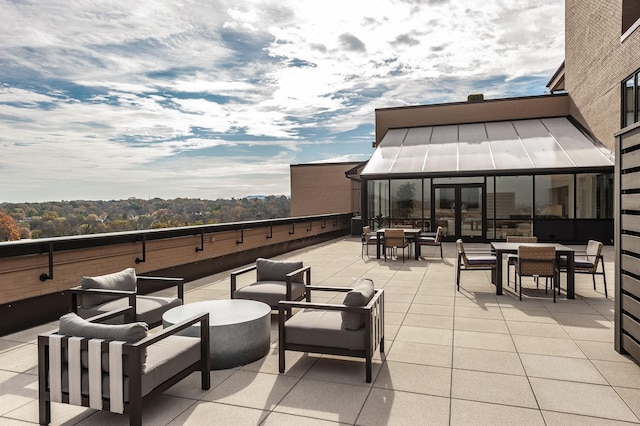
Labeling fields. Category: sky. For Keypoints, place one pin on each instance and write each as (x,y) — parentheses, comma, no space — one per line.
(107,100)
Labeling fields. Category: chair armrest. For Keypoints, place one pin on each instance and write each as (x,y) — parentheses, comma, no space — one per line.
(234,276)
(202,318)
(112,314)
(131,295)
(178,282)
(306,278)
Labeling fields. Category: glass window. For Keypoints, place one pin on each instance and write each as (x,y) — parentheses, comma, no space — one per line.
(513,197)
(594,196)
(426,204)
(406,202)
(629,101)
(378,203)
(554,196)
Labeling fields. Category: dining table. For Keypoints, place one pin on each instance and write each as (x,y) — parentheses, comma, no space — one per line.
(502,248)
(410,233)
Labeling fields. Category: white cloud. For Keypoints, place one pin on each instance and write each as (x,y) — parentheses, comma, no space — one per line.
(132,93)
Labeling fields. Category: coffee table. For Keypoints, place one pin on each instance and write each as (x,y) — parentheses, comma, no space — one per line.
(240,330)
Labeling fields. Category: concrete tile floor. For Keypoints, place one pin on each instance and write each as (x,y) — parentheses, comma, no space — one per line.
(467,357)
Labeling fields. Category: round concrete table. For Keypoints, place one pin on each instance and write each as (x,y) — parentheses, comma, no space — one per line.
(240,330)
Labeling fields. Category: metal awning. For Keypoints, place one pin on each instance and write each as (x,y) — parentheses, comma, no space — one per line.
(500,146)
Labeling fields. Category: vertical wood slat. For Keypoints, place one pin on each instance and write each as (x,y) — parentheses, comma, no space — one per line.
(627,250)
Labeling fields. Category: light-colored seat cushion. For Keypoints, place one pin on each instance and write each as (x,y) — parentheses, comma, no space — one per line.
(318,327)
(270,292)
(164,359)
(148,308)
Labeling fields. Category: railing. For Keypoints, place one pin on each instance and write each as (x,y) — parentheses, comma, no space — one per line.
(31,269)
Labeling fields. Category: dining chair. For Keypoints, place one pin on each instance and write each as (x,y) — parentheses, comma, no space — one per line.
(430,240)
(395,239)
(368,239)
(511,258)
(587,261)
(537,262)
(476,260)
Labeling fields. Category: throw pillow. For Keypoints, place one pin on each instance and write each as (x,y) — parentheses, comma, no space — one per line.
(123,280)
(73,325)
(361,295)
(276,270)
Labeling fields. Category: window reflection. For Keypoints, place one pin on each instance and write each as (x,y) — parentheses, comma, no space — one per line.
(554,196)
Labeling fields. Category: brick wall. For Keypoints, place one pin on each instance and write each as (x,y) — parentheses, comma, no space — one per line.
(596,61)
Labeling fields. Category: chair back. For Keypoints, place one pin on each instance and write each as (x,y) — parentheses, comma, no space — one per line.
(535,260)
(394,237)
(461,254)
(520,239)
(438,235)
(366,232)
(594,252)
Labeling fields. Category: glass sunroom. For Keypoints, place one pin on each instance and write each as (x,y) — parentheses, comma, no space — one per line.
(484,181)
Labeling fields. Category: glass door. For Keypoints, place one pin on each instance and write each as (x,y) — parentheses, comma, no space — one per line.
(459,210)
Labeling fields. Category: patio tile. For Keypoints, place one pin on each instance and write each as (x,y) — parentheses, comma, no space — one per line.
(484,325)
(561,368)
(410,378)
(434,336)
(479,340)
(420,353)
(481,413)
(598,334)
(281,419)
(384,407)
(16,390)
(324,400)
(433,321)
(619,373)
(527,315)
(342,370)
(491,387)
(581,398)
(562,419)
(396,307)
(547,346)
(631,397)
(202,413)
(478,312)
(537,329)
(254,390)
(60,414)
(160,410)
(20,359)
(431,309)
(602,351)
(434,300)
(487,360)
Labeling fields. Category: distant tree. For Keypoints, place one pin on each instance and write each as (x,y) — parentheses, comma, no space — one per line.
(9,230)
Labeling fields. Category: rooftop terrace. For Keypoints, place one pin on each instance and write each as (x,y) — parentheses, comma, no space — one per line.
(467,357)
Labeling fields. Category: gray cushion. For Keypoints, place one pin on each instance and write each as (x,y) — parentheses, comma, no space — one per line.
(123,280)
(165,358)
(270,292)
(276,270)
(149,309)
(72,325)
(318,327)
(361,295)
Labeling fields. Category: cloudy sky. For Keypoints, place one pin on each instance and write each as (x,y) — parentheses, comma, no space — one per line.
(215,99)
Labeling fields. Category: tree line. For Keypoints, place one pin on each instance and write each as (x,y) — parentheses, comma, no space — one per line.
(67,218)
